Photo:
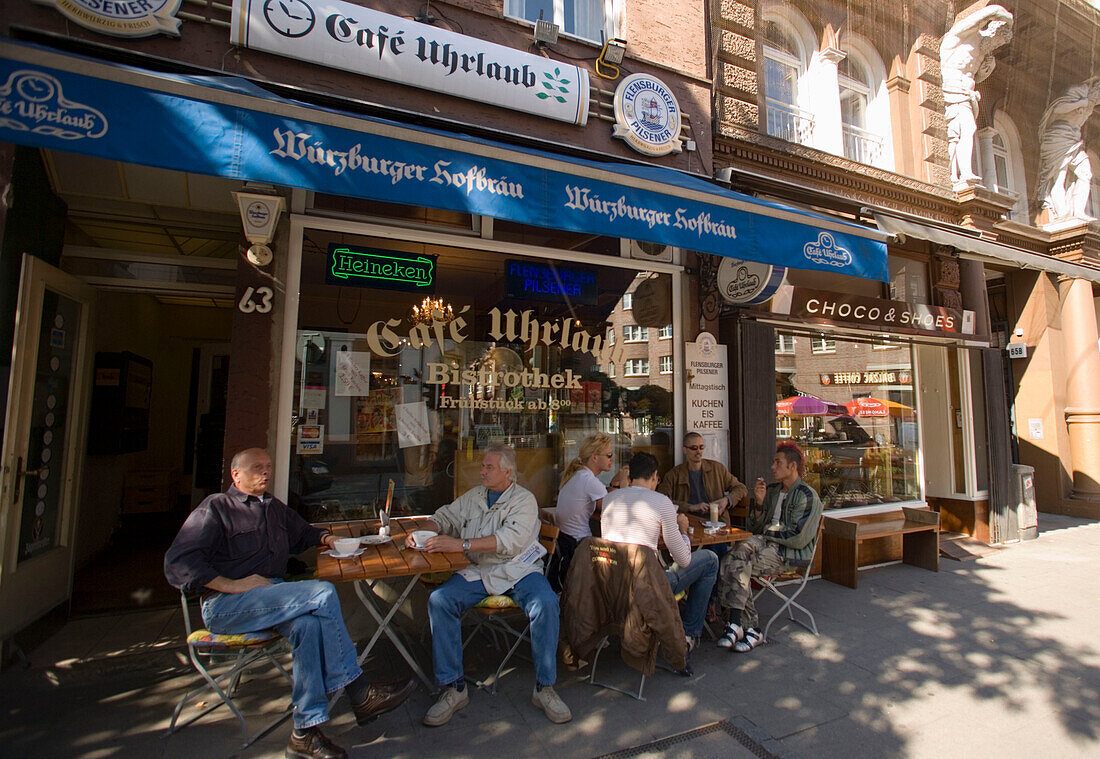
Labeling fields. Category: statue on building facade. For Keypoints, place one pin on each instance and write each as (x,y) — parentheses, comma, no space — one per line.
(1065,172)
(966,58)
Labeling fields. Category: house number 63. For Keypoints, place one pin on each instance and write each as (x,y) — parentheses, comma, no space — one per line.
(264,294)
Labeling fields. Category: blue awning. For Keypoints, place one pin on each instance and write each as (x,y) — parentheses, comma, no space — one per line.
(227,126)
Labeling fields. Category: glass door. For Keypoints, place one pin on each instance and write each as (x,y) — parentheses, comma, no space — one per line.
(44,434)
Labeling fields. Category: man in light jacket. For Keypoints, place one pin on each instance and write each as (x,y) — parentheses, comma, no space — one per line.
(783,518)
(496,525)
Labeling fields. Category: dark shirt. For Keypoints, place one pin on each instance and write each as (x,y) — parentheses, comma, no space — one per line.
(235,535)
(695,483)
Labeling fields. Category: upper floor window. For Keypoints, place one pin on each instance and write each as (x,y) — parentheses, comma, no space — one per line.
(611,336)
(635,334)
(857,89)
(628,301)
(823,344)
(1094,196)
(783,70)
(1006,175)
(588,19)
(666,332)
(666,364)
(636,367)
(784,343)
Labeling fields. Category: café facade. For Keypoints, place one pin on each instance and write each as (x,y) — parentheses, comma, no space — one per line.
(368,243)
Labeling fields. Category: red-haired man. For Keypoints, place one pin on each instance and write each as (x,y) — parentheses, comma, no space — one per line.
(783,518)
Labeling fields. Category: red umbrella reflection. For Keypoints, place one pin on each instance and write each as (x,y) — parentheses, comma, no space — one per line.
(808,405)
(873,407)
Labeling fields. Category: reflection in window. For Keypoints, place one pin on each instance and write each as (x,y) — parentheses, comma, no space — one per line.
(635,334)
(857,426)
(383,393)
(628,301)
(784,344)
(823,344)
(666,364)
(636,367)
(666,332)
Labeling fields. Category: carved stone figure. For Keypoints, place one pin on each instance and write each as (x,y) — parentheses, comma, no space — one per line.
(1065,173)
(966,58)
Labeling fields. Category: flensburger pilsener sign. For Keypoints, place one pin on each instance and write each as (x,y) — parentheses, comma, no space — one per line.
(364,41)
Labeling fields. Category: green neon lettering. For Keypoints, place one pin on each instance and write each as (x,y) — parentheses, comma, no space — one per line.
(347,264)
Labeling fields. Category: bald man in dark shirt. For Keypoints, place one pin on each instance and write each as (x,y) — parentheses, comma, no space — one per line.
(233,549)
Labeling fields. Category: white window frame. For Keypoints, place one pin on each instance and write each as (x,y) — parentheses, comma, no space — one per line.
(781,344)
(1011,152)
(822,344)
(632,333)
(877,126)
(663,362)
(628,301)
(611,336)
(610,12)
(611,370)
(665,333)
(630,364)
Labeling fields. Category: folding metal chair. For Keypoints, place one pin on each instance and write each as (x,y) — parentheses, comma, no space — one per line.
(773,583)
(493,612)
(241,652)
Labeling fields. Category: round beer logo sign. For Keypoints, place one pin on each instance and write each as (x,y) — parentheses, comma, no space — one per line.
(747,282)
(126,18)
(647,116)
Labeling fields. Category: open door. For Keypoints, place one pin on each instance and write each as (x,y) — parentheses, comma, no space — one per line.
(45,428)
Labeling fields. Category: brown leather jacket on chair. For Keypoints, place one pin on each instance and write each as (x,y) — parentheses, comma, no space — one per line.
(620,589)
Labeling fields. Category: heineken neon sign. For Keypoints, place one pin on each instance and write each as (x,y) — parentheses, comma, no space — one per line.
(384,269)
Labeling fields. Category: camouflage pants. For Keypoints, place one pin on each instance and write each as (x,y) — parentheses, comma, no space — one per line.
(753,557)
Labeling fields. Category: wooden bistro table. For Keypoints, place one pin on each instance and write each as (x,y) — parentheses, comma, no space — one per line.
(388,561)
(700,537)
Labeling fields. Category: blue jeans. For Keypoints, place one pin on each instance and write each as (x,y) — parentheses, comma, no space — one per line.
(307,614)
(449,600)
(698,577)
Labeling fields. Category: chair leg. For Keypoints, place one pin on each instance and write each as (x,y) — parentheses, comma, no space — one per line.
(789,605)
(592,675)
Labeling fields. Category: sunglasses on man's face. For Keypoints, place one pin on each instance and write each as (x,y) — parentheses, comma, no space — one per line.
(695,447)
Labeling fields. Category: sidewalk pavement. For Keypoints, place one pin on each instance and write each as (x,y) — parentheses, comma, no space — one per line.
(997,657)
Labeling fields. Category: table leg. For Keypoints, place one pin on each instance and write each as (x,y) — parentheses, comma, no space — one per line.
(368,599)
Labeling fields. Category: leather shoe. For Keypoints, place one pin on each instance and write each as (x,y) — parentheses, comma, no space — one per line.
(382,698)
(313,745)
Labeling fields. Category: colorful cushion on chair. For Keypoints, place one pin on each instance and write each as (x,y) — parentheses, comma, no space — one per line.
(209,639)
(496,602)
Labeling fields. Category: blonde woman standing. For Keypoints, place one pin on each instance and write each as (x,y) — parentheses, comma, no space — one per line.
(579,497)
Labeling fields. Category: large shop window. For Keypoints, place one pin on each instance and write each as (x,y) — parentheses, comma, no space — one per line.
(852,410)
(412,358)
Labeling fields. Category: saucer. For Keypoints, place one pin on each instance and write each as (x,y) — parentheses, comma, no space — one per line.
(375,540)
(714,525)
(335,555)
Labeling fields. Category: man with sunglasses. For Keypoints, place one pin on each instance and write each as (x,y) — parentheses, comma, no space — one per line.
(699,482)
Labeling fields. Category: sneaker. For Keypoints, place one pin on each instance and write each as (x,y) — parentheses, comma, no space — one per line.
(733,634)
(549,701)
(450,702)
(752,639)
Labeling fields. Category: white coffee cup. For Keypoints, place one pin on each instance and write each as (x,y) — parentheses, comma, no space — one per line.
(345,546)
(714,512)
(420,537)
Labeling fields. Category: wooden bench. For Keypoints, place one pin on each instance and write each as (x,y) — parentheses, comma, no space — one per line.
(919,530)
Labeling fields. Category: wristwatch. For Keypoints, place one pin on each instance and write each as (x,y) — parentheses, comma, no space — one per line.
(466,548)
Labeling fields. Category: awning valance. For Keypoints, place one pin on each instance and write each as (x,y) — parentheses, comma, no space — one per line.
(229,127)
(979,249)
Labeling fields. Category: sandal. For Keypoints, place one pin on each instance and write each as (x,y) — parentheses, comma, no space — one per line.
(752,639)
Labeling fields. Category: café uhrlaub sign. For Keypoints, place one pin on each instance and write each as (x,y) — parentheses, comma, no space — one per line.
(365,41)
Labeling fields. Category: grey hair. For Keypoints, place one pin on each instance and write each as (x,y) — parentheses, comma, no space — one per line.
(239,456)
(507,457)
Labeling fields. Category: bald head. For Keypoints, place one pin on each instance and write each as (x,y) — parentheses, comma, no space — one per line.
(251,470)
